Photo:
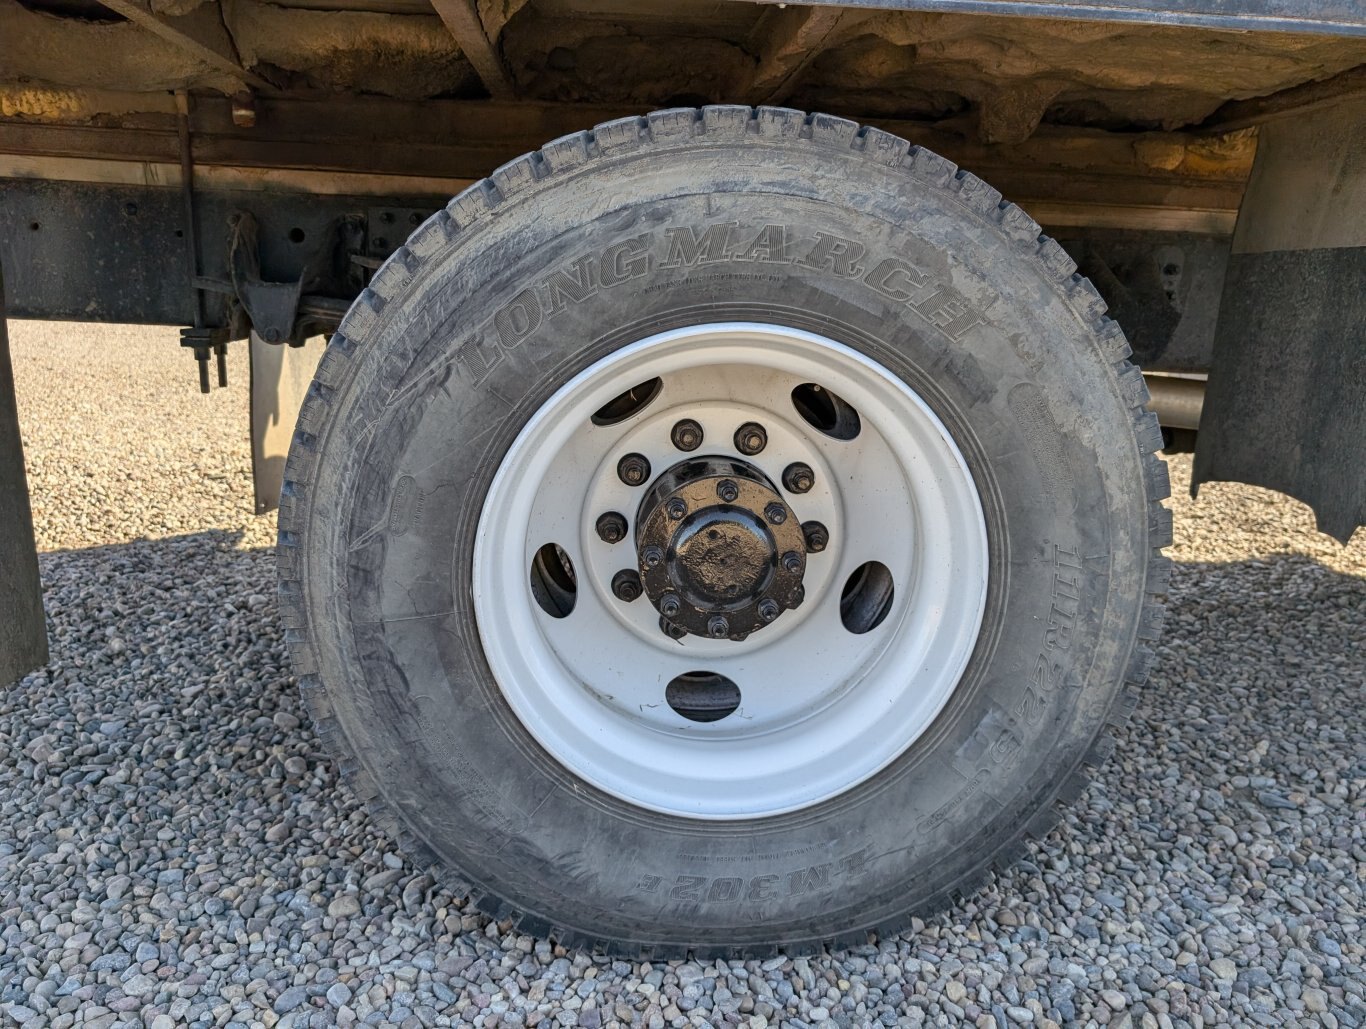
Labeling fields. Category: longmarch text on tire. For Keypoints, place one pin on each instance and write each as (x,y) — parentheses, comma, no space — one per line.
(727,530)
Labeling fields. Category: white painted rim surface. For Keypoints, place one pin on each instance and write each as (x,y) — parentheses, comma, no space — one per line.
(821,708)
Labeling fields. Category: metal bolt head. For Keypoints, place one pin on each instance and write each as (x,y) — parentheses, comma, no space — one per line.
(676,508)
(670,605)
(817,536)
(626,585)
(750,438)
(611,527)
(717,627)
(727,490)
(674,632)
(652,556)
(798,477)
(769,609)
(633,469)
(686,435)
(775,513)
(792,562)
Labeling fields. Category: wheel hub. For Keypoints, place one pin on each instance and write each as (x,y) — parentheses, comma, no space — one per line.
(720,553)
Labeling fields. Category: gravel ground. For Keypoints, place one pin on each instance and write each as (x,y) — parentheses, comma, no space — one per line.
(176,850)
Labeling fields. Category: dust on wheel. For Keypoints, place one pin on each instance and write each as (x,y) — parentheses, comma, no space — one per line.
(724,531)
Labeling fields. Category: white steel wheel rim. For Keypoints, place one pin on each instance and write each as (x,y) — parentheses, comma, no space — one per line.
(821,708)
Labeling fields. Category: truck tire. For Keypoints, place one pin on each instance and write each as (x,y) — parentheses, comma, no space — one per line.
(549,557)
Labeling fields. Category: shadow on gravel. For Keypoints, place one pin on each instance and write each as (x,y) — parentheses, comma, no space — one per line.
(162,789)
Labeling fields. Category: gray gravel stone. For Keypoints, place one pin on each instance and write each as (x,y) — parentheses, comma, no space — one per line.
(179,850)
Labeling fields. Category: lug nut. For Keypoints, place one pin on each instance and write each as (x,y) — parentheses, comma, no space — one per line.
(750,438)
(670,605)
(686,435)
(717,627)
(676,508)
(626,585)
(798,477)
(727,490)
(633,469)
(611,527)
(776,513)
(674,632)
(652,556)
(817,536)
(769,609)
(792,562)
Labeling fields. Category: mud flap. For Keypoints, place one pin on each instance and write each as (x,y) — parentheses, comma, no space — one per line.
(1285,407)
(23,632)
(280,376)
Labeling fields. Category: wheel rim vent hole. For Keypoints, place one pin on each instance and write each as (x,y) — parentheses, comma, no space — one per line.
(702,696)
(554,583)
(826,412)
(867,597)
(629,403)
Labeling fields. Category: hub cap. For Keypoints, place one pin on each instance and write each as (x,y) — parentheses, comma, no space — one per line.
(795,594)
(721,558)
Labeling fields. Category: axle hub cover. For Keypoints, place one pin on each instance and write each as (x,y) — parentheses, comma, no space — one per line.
(729,541)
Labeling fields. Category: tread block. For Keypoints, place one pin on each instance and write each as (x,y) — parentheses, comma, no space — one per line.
(1159,477)
(362,319)
(883,147)
(1159,575)
(432,236)
(1086,298)
(832,131)
(977,193)
(674,123)
(728,121)
(1140,665)
(620,134)
(930,167)
(1018,225)
(519,174)
(1150,621)
(1055,258)
(780,122)
(395,273)
(1159,526)
(567,152)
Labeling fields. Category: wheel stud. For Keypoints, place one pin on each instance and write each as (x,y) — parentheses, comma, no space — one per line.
(633,469)
(769,609)
(718,628)
(652,556)
(611,527)
(727,490)
(798,477)
(674,632)
(686,435)
(792,562)
(776,513)
(676,508)
(670,605)
(750,438)
(626,585)
(817,536)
